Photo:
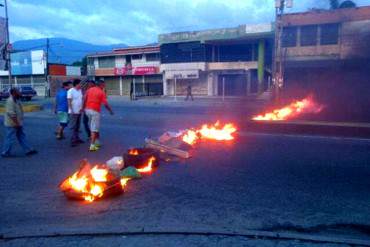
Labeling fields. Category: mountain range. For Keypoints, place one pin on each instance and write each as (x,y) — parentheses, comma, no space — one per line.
(62,50)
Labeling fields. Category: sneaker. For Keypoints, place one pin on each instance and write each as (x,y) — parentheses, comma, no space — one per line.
(32,152)
(93,148)
(97,143)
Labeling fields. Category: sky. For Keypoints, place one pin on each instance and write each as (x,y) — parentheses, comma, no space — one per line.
(136,22)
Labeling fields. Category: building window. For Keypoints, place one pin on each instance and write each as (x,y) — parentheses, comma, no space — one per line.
(106,62)
(309,35)
(152,57)
(289,38)
(183,52)
(329,34)
(137,57)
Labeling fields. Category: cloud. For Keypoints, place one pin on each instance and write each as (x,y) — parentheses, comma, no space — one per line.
(135,22)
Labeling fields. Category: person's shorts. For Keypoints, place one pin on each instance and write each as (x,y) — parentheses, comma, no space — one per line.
(94,119)
(63,118)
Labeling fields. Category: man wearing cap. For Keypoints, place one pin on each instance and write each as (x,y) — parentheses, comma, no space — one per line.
(95,97)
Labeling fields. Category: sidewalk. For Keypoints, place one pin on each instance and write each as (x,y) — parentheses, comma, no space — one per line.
(204,101)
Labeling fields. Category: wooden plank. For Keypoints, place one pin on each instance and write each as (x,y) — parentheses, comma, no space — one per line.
(167,149)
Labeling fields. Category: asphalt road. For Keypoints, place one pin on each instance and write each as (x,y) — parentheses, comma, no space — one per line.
(272,183)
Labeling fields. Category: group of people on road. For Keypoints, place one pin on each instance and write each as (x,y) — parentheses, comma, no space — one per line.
(76,103)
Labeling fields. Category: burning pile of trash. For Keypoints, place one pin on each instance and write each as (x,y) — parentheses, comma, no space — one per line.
(304,106)
(92,182)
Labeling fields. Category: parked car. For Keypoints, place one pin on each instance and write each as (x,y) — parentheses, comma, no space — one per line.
(26,93)
(4,94)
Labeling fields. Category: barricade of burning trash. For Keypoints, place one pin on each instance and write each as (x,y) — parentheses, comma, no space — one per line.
(180,143)
(92,182)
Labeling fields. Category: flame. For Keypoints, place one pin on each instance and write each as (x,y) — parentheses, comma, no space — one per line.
(211,132)
(149,167)
(133,152)
(88,182)
(124,182)
(307,105)
(99,175)
(190,137)
(78,184)
(217,133)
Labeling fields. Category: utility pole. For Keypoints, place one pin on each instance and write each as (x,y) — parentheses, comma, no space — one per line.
(47,84)
(278,69)
(7,42)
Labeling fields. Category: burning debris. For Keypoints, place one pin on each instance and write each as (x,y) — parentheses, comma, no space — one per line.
(306,105)
(90,183)
(143,159)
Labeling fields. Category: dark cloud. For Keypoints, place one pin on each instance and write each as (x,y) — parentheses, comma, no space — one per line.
(135,21)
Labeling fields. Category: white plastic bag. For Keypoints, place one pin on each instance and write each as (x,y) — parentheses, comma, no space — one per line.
(116,163)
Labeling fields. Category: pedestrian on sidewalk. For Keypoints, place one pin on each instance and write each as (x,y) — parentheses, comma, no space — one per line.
(189,93)
(74,96)
(13,122)
(61,109)
(94,99)
(85,118)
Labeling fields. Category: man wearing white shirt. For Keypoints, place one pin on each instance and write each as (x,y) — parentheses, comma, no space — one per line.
(75,99)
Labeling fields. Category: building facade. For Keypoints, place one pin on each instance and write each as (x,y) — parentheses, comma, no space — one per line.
(128,71)
(219,62)
(327,53)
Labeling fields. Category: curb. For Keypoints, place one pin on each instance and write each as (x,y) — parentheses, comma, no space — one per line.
(26,108)
(338,129)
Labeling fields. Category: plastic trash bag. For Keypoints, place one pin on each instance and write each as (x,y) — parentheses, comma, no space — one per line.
(130,172)
(116,163)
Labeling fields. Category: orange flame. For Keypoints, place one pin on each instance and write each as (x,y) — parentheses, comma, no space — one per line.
(217,133)
(306,105)
(133,152)
(190,137)
(149,167)
(124,182)
(87,183)
(211,132)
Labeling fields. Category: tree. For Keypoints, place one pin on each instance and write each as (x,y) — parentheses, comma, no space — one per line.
(334,4)
(82,64)
(347,4)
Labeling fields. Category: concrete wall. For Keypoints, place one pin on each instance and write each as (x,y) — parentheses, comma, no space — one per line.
(199,86)
(355,39)
(232,66)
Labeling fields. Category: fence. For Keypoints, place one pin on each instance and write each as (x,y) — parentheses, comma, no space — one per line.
(37,83)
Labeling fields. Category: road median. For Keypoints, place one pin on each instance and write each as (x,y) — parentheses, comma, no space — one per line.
(324,128)
(26,108)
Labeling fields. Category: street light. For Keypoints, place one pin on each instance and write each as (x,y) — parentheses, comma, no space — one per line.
(7,41)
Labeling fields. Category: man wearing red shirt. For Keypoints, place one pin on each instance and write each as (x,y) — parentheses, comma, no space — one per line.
(95,97)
